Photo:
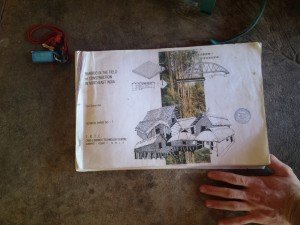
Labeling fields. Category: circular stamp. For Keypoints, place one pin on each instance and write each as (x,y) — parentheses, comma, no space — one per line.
(242,115)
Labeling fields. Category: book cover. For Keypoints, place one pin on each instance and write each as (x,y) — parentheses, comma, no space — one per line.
(194,107)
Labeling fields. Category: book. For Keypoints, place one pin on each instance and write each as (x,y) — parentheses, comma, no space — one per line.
(173,108)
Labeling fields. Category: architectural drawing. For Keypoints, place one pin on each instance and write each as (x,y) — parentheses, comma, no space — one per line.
(182,140)
(197,71)
(182,131)
(148,70)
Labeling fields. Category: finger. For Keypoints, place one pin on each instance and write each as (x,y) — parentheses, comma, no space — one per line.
(241,220)
(223,192)
(279,167)
(230,178)
(228,205)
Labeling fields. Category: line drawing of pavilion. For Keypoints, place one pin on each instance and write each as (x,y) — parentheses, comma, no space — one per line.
(197,70)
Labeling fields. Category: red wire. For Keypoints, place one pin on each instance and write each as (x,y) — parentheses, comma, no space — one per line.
(53,38)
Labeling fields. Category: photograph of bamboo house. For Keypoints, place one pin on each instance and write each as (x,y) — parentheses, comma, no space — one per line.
(182,140)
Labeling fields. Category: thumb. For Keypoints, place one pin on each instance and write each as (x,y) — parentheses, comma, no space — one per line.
(278,167)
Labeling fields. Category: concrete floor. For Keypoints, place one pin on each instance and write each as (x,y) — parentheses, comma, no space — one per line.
(39,184)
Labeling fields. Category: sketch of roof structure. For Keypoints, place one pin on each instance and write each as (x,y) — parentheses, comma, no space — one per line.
(147,141)
(206,135)
(218,121)
(217,134)
(148,70)
(182,124)
(197,71)
(150,141)
(163,113)
(155,116)
(182,136)
(197,119)
(186,123)
(146,126)
(214,120)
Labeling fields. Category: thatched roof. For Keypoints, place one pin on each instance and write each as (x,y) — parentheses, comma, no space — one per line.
(153,117)
(216,134)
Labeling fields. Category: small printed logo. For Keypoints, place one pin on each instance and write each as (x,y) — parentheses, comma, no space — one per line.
(242,116)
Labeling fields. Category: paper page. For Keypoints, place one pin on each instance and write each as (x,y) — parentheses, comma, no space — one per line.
(195,107)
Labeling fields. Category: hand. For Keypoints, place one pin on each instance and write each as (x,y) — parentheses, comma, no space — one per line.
(266,199)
